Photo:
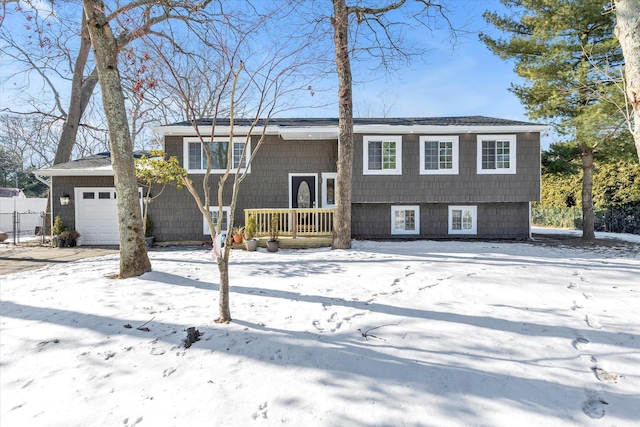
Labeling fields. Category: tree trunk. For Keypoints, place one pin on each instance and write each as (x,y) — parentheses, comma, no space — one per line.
(133,253)
(342,222)
(223,303)
(628,33)
(81,92)
(588,219)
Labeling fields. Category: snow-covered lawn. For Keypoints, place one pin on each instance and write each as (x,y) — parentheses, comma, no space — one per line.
(387,334)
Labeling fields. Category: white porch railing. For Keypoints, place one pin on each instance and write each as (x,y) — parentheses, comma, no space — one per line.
(293,222)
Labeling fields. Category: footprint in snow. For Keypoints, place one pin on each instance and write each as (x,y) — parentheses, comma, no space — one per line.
(602,374)
(261,412)
(593,322)
(594,405)
(576,306)
(587,296)
(573,285)
(167,372)
(277,355)
(581,343)
(136,422)
(316,324)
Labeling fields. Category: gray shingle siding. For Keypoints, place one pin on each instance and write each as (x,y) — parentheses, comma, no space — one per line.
(467,186)
(495,221)
(65,185)
(267,185)
(502,200)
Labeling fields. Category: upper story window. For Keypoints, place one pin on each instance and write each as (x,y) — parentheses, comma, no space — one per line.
(496,154)
(439,155)
(382,155)
(196,158)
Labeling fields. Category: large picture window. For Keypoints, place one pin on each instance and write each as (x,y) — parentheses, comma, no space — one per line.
(463,220)
(382,155)
(496,154)
(439,155)
(196,158)
(405,219)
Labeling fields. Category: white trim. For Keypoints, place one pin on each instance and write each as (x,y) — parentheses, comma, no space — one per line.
(185,154)
(205,224)
(291,175)
(455,143)
(325,177)
(512,155)
(474,219)
(365,154)
(399,208)
(530,219)
(100,171)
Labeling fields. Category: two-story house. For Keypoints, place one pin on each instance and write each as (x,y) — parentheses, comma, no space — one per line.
(446,177)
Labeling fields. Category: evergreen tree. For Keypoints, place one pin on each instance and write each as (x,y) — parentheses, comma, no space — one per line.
(562,48)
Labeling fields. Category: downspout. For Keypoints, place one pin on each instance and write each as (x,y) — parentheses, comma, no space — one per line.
(542,135)
(48,183)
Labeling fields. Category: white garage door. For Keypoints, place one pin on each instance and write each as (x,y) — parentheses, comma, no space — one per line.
(97,215)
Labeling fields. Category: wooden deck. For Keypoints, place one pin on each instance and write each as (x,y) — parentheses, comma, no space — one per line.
(294,223)
(291,243)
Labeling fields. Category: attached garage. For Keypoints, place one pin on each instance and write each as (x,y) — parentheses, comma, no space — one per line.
(97,215)
(90,207)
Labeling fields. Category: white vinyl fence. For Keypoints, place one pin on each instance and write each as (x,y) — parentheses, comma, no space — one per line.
(23,218)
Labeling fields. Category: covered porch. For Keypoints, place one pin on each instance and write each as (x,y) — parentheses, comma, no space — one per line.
(297,228)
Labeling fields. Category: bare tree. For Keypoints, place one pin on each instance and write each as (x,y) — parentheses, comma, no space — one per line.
(380,40)
(56,45)
(628,33)
(228,73)
(134,260)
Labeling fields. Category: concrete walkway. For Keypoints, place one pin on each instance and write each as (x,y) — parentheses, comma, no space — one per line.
(14,259)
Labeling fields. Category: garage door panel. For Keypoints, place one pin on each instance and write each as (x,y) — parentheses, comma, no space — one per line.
(97,216)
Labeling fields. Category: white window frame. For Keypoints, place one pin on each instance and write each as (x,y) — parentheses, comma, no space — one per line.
(512,154)
(455,145)
(398,231)
(233,170)
(205,225)
(365,154)
(326,176)
(474,219)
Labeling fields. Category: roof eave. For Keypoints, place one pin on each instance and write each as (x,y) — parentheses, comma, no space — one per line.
(75,172)
(287,132)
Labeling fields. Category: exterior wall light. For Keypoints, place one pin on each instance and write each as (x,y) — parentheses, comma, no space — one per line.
(64,200)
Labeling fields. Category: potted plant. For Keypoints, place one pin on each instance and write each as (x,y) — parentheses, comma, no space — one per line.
(273,242)
(237,234)
(69,237)
(250,230)
(148,230)
(56,230)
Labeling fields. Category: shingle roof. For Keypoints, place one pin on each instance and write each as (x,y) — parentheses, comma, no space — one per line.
(99,163)
(403,121)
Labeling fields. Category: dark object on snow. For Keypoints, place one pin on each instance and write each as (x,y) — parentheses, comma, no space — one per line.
(128,326)
(193,335)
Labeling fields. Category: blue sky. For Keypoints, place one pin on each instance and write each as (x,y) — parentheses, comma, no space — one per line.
(466,79)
